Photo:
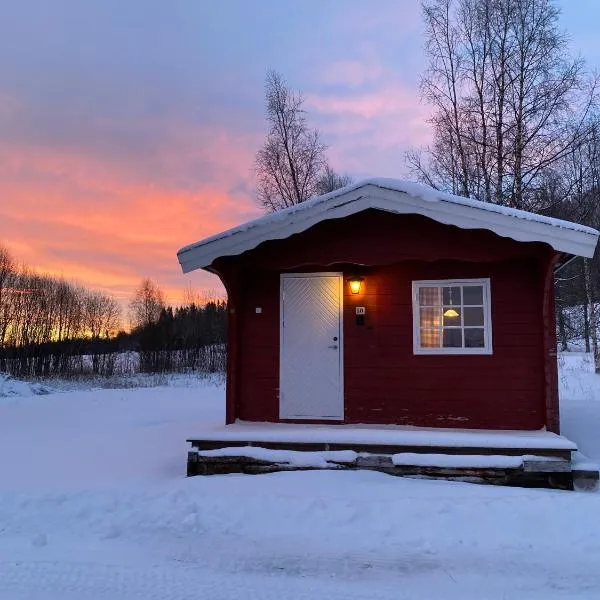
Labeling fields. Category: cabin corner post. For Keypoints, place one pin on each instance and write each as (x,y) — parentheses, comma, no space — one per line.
(232,361)
(229,279)
(552,411)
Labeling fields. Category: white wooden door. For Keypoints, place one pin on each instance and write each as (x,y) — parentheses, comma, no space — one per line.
(311,359)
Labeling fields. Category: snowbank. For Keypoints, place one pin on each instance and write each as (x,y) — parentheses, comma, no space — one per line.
(579,389)
(10,388)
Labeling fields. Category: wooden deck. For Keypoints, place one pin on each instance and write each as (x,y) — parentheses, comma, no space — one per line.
(546,457)
(384,439)
(201,444)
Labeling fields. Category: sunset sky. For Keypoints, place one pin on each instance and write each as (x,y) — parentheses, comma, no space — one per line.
(128,128)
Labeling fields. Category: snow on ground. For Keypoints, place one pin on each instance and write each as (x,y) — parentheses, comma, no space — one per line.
(94,505)
(11,388)
(579,389)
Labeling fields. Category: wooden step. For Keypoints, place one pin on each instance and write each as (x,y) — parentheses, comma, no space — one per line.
(532,472)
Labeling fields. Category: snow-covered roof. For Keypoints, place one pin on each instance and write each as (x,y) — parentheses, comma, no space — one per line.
(395,196)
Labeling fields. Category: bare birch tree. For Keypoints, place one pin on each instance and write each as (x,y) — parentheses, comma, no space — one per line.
(509,102)
(291,166)
(331,181)
(101,315)
(7,275)
(146,305)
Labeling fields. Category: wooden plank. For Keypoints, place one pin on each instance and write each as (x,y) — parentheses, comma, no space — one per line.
(585,479)
(547,466)
(378,448)
(374,461)
(586,473)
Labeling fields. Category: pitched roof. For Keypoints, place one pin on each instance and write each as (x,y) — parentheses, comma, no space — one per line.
(395,196)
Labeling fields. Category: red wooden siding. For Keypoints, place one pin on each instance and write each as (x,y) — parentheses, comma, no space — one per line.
(383,381)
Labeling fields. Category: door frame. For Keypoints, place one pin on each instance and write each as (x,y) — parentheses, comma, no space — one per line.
(340,277)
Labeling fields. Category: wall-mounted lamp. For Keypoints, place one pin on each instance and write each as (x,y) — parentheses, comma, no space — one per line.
(355,284)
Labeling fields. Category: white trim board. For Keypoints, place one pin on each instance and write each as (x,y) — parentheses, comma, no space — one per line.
(399,197)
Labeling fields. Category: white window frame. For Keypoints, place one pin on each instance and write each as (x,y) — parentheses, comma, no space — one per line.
(487,315)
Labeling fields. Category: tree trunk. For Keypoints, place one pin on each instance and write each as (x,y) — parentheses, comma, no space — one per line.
(593,324)
(562,330)
(586,311)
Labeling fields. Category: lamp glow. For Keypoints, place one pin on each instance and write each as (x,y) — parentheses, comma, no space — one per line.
(355,285)
(450,313)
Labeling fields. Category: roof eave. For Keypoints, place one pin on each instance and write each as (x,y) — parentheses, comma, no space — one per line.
(562,239)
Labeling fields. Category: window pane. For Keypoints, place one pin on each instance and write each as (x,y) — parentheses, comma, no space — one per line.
(430,338)
(429,296)
(474,338)
(451,295)
(473,316)
(452,338)
(430,317)
(451,316)
(473,294)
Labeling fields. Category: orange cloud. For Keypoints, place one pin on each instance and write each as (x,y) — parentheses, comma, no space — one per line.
(107,222)
(109,209)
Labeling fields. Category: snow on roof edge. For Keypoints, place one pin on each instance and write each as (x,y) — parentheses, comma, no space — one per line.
(417,190)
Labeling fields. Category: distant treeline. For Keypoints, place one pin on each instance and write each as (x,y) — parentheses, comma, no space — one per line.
(52,327)
(185,338)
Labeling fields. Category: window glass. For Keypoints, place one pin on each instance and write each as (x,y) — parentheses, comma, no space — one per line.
(474,338)
(473,316)
(452,315)
(473,294)
(452,295)
(452,338)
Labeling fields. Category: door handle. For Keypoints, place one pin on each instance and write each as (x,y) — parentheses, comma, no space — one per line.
(334,347)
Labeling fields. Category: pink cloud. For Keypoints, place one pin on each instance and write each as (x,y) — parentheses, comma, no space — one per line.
(369,131)
(387,101)
(354,73)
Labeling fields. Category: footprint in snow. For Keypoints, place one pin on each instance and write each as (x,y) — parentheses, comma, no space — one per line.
(40,540)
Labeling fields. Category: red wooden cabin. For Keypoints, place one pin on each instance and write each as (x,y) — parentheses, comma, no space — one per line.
(391,303)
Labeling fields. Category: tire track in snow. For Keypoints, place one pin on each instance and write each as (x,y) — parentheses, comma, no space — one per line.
(49,580)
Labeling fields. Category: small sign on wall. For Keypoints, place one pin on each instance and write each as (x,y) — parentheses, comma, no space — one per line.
(360,315)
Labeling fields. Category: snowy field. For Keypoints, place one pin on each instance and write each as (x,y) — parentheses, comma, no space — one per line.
(94,505)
